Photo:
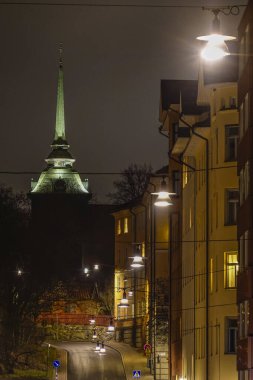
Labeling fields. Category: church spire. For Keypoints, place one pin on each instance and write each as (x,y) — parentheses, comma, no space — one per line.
(59,175)
(60,137)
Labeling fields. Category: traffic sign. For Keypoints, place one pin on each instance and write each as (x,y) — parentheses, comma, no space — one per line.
(147,349)
(136,374)
(56,363)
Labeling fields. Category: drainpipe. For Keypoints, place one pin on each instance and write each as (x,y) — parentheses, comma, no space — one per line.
(135,280)
(182,163)
(152,317)
(207,230)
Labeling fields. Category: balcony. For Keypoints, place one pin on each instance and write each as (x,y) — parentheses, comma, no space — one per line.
(245,285)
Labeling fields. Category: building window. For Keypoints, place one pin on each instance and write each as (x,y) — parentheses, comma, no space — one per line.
(232,102)
(125,225)
(231,269)
(231,206)
(176,181)
(243,375)
(230,335)
(118,227)
(143,249)
(231,142)
(175,132)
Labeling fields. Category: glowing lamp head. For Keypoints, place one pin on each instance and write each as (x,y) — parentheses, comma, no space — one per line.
(163,196)
(137,262)
(102,349)
(124,301)
(92,320)
(111,327)
(163,199)
(97,349)
(216,48)
(94,336)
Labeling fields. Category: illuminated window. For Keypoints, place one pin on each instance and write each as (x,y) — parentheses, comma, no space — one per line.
(231,269)
(118,227)
(125,225)
(143,249)
(185,175)
(211,275)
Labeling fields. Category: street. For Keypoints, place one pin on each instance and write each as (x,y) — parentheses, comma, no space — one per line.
(86,364)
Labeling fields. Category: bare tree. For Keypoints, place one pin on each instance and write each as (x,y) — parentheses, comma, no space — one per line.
(132,184)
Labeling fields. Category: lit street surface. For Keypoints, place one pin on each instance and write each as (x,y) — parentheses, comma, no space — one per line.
(86,364)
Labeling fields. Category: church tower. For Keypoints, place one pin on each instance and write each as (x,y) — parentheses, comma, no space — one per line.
(60,202)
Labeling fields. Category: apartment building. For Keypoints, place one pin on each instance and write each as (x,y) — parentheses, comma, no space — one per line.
(205,140)
(245,171)
(144,322)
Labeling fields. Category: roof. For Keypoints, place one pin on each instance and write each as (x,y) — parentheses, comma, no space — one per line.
(184,91)
(164,170)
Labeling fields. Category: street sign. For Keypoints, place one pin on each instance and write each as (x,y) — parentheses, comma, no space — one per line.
(56,363)
(136,374)
(147,349)
(147,346)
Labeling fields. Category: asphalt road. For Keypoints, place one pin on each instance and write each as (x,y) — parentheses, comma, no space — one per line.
(86,364)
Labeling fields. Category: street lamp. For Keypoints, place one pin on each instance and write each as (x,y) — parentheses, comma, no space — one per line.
(162,200)
(163,196)
(124,301)
(216,47)
(102,348)
(111,327)
(94,336)
(92,320)
(97,349)
(19,272)
(137,258)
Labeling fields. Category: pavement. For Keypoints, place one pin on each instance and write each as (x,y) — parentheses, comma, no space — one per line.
(133,360)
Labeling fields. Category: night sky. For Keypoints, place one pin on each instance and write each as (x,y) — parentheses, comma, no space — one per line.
(114,59)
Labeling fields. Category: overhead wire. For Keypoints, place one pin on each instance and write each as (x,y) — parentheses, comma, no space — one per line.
(222,8)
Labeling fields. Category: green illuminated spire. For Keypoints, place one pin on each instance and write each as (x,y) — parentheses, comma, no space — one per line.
(59,137)
(59,175)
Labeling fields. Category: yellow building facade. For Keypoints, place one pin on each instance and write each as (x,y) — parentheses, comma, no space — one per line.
(210,250)
(204,135)
(145,320)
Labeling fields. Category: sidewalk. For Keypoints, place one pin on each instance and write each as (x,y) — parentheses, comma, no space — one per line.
(133,359)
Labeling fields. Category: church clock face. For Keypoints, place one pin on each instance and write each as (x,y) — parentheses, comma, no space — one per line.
(60,186)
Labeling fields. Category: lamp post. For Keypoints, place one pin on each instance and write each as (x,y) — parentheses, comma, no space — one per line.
(162,200)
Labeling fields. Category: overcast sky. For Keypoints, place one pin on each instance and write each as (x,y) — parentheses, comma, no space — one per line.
(114,59)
